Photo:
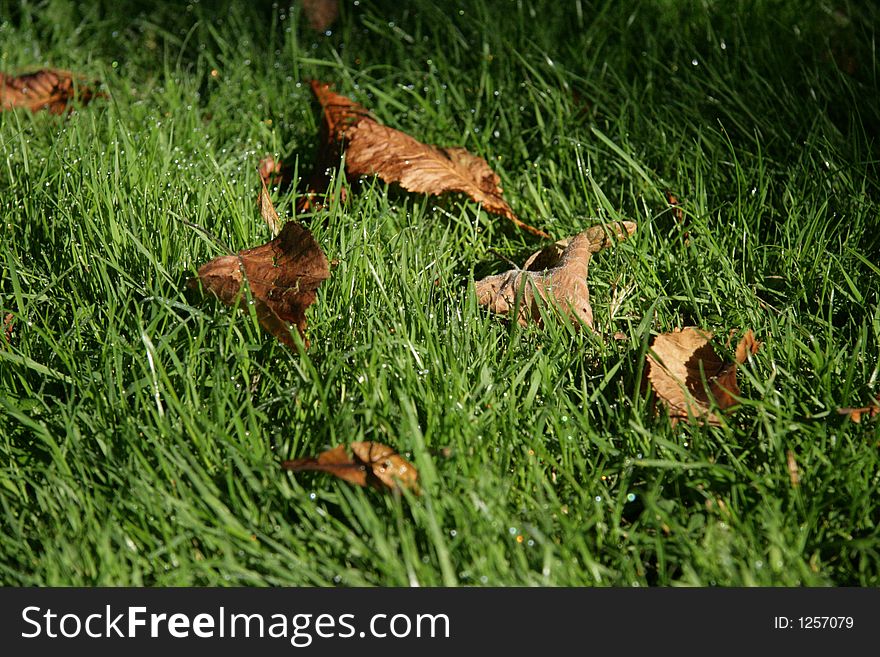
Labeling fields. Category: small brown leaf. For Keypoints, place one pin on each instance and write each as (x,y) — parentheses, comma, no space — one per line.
(371,463)
(283,276)
(47,89)
(375,149)
(321,14)
(563,278)
(855,414)
(677,365)
(793,474)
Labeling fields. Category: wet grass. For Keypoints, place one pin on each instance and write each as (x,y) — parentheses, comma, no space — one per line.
(142,426)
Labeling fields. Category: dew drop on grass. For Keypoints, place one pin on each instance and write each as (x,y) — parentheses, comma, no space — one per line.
(631,497)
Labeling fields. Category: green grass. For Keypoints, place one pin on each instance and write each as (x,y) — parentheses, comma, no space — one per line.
(142,425)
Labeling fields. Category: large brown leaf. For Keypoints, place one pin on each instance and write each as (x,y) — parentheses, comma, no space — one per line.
(557,274)
(47,89)
(681,361)
(283,275)
(370,463)
(375,149)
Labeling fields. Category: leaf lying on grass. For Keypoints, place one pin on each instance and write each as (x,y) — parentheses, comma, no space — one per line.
(855,414)
(283,275)
(47,89)
(681,361)
(321,14)
(375,149)
(557,273)
(371,464)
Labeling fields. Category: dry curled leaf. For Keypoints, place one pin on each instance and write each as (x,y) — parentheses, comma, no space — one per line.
(370,463)
(556,274)
(47,89)
(375,149)
(321,14)
(855,414)
(283,276)
(681,361)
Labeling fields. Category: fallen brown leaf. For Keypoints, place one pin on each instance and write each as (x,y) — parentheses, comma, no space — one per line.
(375,149)
(371,464)
(283,275)
(855,414)
(321,14)
(557,273)
(677,365)
(47,89)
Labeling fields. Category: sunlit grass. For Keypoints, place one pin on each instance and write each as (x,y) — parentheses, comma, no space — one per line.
(142,426)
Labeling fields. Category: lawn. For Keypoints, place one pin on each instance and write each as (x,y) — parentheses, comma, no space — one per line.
(143,424)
